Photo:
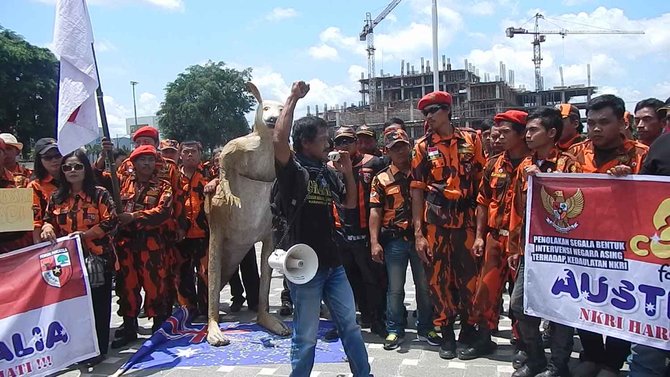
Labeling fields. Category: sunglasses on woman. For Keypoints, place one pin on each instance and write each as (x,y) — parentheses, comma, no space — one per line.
(69,167)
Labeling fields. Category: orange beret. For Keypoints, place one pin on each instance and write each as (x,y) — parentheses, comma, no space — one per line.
(146,131)
(435,98)
(143,151)
(514,116)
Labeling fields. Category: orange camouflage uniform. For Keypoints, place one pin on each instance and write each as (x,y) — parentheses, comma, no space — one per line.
(631,153)
(81,212)
(142,246)
(193,255)
(566,145)
(558,162)
(448,170)
(166,170)
(389,189)
(42,190)
(495,193)
(21,175)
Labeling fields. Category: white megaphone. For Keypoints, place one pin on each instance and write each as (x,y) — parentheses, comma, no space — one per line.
(299,264)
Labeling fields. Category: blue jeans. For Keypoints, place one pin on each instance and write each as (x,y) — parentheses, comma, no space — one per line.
(647,361)
(331,286)
(397,253)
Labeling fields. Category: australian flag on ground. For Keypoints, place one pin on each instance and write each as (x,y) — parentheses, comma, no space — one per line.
(179,343)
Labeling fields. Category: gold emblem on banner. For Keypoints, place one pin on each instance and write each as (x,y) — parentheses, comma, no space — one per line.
(562,209)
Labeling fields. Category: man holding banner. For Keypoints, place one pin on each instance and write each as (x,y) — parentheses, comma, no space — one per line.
(606,151)
(543,131)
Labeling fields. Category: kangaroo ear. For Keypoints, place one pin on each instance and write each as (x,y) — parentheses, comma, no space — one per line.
(254,91)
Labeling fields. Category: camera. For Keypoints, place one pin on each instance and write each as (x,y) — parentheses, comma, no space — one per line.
(334,156)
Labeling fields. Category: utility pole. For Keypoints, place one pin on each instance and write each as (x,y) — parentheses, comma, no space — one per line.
(133,83)
(436,69)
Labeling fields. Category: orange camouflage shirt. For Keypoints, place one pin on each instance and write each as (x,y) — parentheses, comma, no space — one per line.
(566,145)
(21,175)
(42,190)
(448,170)
(495,191)
(166,170)
(194,201)
(151,205)
(558,162)
(81,212)
(631,153)
(390,192)
(6,178)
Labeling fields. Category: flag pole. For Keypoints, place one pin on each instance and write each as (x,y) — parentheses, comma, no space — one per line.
(105,130)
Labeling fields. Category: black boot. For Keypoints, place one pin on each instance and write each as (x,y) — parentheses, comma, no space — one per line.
(127,334)
(482,345)
(468,333)
(448,347)
(519,359)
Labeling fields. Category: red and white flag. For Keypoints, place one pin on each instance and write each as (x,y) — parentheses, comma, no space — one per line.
(73,39)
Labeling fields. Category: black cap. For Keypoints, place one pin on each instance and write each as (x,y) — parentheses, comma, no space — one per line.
(44,145)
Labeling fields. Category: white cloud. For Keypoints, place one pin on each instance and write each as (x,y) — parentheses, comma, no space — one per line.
(355,73)
(116,116)
(147,104)
(274,86)
(278,14)
(323,52)
(482,8)
(167,4)
(104,46)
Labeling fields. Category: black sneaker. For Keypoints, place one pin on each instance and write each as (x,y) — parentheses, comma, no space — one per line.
(430,337)
(286,309)
(392,341)
(236,306)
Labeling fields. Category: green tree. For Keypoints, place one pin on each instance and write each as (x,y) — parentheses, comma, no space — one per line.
(207,103)
(28,88)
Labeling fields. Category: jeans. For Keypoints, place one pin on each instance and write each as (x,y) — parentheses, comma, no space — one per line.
(397,253)
(647,361)
(332,286)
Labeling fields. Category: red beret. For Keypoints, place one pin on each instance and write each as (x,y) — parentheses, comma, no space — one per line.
(146,131)
(514,116)
(434,98)
(2,144)
(142,151)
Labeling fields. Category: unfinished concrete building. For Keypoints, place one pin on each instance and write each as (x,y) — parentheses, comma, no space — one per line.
(475,98)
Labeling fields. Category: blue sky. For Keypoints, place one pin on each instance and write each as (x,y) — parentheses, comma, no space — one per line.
(152,41)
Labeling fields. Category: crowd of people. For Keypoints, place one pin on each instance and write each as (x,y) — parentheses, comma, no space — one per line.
(451,204)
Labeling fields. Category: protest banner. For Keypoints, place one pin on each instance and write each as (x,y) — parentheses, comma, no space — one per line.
(597,254)
(46,316)
(16,209)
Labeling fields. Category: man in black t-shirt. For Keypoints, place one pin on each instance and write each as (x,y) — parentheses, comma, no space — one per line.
(309,189)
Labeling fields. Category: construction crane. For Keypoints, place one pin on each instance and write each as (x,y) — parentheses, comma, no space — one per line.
(539,37)
(368,35)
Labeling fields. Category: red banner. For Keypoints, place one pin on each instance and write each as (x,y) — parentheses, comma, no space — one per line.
(598,254)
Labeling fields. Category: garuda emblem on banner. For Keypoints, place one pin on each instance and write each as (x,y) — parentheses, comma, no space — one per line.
(56,267)
(562,209)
